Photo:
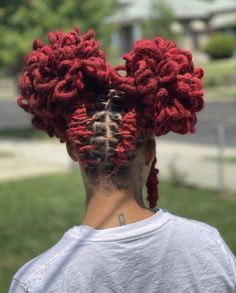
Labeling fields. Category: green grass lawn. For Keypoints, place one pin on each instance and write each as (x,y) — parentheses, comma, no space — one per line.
(8,90)
(220,79)
(227,159)
(220,72)
(220,94)
(6,154)
(35,212)
(29,133)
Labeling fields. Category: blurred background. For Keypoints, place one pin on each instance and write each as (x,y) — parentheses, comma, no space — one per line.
(41,192)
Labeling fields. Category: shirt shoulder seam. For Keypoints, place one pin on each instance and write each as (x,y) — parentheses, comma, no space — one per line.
(204,226)
(45,265)
(21,283)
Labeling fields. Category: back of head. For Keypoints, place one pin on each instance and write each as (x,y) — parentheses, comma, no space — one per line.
(74,94)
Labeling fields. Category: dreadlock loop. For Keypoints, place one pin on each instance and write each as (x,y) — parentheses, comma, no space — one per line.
(164,81)
(59,76)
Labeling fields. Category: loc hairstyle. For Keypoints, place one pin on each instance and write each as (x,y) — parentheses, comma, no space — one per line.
(74,94)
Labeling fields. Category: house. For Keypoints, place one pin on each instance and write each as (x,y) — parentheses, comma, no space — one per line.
(194,21)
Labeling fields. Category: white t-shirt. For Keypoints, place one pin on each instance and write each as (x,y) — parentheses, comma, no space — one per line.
(163,253)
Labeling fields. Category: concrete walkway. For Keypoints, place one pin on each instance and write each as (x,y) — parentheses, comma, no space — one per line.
(192,163)
(32,158)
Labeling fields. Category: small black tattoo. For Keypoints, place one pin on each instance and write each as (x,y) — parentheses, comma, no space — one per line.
(121,218)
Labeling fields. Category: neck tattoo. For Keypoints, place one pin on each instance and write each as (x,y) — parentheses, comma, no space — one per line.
(121,218)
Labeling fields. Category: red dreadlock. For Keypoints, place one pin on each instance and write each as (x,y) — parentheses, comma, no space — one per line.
(65,80)
(152,183)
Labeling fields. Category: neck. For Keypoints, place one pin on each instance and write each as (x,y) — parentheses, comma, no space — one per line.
(108,207)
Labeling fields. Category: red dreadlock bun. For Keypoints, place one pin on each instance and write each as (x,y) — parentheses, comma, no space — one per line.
(60,75)
(163,79)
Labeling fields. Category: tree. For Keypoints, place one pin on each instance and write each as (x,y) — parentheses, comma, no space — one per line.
(160,21)
(22,21)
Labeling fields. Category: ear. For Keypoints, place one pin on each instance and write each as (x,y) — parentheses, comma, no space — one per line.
(150,151)
(71,151)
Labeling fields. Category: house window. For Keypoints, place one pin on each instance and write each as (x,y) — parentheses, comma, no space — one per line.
(126,34)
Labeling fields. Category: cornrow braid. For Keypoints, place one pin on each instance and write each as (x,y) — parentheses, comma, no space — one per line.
(106,133)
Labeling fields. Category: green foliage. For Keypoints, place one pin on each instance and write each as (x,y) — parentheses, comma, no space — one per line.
(220,46)
(35,212)
(22,21)
(160,21)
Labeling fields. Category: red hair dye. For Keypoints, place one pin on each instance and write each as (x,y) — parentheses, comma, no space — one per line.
(162,88)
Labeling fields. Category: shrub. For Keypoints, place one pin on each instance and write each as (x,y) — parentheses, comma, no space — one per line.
(220,45)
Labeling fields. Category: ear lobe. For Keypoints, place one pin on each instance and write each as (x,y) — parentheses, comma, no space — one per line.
(150,152)
(70,151)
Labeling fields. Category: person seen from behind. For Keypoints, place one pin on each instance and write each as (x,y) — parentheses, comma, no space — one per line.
(109,118)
